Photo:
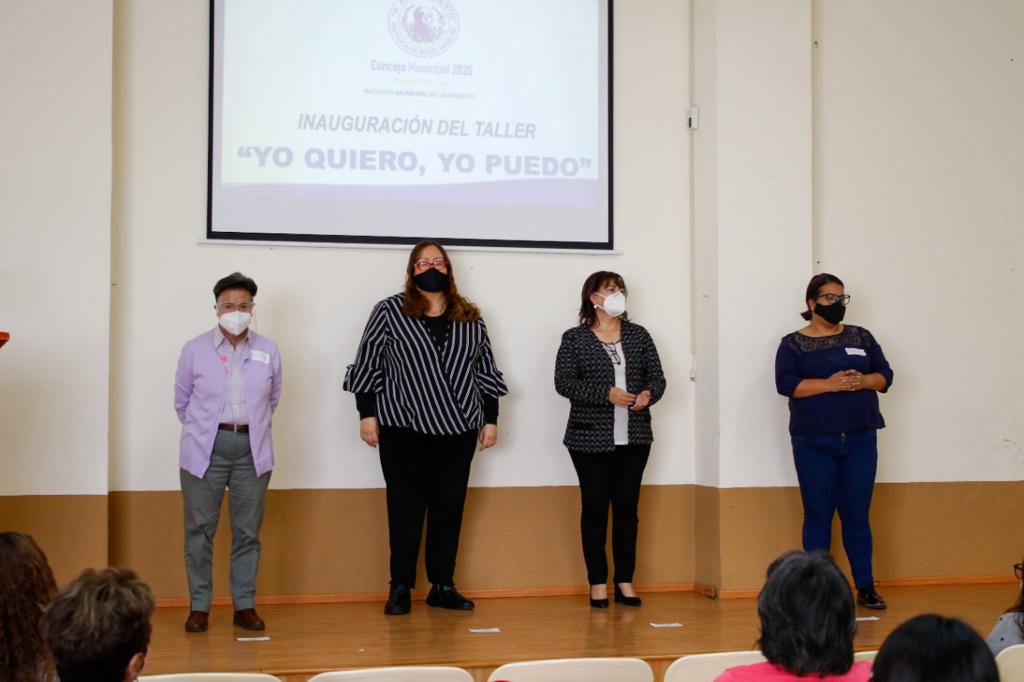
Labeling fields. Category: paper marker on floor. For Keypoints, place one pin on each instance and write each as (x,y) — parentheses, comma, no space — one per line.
(263,638)
(666,625)
(862,618)
(479,630)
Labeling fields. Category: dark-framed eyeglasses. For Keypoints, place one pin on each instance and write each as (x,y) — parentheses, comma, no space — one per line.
(438,263)
(836,298)
(1018,570)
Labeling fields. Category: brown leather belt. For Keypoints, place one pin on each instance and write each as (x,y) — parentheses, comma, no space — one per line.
(237,428)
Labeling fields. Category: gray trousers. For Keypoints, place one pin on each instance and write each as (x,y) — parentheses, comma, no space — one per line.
(231,466)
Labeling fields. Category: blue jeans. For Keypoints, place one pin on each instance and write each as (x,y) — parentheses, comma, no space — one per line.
(837,471)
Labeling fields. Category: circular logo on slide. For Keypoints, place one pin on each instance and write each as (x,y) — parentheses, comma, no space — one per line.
(423,28)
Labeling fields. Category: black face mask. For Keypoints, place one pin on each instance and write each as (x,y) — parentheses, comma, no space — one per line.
(833,314)
(433,280)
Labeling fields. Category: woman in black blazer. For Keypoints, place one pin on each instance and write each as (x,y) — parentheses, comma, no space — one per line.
(609,370)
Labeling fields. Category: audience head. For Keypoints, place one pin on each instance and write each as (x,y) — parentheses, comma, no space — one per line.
(26,587)
(1018,571)
(807,615)
(98,626)
(931,648)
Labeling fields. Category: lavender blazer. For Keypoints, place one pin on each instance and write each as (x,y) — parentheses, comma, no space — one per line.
(201,387)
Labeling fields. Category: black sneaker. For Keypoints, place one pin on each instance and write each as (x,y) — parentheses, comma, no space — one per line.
(869,599)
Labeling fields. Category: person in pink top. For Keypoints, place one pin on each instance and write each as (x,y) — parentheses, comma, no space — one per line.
(226,388)
(808,621)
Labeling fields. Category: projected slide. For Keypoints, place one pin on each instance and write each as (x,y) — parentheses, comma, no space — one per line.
(478,122)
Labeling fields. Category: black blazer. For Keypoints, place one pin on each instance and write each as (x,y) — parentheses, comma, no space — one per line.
(584,374)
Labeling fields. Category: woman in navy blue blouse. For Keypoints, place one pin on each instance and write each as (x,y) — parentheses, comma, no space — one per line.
(832,374)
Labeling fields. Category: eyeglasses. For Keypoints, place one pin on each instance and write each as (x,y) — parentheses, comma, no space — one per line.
(232,307)
(1018,570)
(423,264)
(836,298)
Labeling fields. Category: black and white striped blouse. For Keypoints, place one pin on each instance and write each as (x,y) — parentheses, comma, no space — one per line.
(438,391)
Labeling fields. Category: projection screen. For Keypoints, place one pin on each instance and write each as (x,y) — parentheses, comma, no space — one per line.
(476,122)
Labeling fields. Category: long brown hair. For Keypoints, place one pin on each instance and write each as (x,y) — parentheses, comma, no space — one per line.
(588,314)
(457,308)
(26,587)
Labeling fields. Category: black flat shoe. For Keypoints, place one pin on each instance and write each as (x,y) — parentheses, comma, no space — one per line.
(869,599)
(399,601)
(447,597)
(623,599)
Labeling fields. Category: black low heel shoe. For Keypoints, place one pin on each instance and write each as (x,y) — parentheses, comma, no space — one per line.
(399,601)
(598,603)
(623,599)
(447,597)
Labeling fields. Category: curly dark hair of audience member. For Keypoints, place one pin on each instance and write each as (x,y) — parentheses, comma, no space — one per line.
(457,308)
(235,280)
(932,648)
(97,623)
(26,587)
(807,615)
(588,314)
(814,288)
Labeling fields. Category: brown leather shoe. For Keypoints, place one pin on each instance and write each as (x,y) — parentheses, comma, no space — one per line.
(198,621)
(249,619)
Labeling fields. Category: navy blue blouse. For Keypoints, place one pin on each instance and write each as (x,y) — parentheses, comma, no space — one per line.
(809,357)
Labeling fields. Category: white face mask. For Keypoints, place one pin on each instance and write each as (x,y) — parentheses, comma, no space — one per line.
(235,323)
(614,304)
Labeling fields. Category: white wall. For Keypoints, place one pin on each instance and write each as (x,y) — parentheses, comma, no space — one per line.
(919,202)
(314,302)
(752,197)
(55,245)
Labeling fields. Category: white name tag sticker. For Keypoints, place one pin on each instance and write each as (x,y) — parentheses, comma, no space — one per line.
(260,356)
(856,351)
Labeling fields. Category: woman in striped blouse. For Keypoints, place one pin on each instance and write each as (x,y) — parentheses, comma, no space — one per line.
(427,391)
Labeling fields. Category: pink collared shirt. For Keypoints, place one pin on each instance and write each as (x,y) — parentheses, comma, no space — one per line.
(202,390)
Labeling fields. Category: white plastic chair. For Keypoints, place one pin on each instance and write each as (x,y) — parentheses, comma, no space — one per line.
(1010,662)
(865,655)
(210,677)
(396,674)
(575,670)
(706,667)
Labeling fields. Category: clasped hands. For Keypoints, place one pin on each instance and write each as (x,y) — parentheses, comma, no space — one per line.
(634,401)
(846,380)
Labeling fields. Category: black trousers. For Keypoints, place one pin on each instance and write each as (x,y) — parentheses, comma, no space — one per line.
(425,476)
(610,478)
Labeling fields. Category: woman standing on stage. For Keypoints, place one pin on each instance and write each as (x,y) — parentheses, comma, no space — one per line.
(427,392)
(832,374)
(608,368)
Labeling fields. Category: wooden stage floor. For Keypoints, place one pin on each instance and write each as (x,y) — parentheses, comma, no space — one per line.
(309,638)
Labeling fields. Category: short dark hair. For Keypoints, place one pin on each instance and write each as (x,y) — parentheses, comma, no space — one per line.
(235,280)
(97,623)
(934,648)
(807,615)
(588,314)
(814,288)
